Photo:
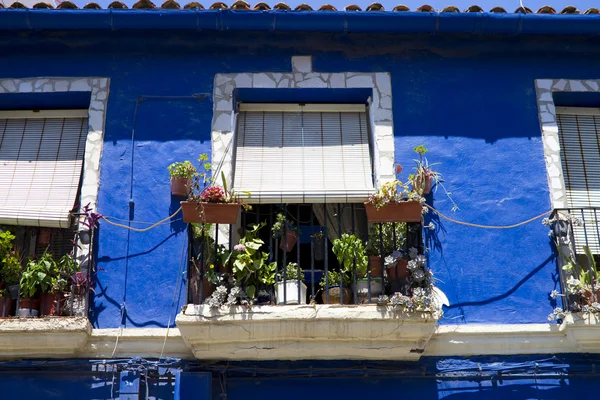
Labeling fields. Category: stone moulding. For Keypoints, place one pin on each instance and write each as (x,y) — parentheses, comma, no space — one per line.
(583,331)
(317,332)
(50,337)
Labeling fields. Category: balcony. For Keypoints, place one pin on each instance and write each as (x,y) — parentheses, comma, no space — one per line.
(311,281)
(576,232)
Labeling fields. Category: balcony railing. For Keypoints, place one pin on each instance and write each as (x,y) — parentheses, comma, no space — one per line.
(577,237)
(309,249)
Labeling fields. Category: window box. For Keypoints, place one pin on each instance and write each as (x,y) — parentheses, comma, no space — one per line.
(406,211)
(211,213)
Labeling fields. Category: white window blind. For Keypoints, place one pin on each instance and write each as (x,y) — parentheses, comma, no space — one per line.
(303,154)
(579,135)
(41,158)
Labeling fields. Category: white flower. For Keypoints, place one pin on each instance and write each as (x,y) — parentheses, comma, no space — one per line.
(431,226)
(554,294)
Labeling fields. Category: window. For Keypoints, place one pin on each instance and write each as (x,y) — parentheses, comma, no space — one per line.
(288,153)
(579,135)
(41,159)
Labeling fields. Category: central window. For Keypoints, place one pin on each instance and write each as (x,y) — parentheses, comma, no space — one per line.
(313,153)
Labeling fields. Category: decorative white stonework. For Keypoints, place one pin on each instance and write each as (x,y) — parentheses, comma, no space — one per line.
(98,88)
(380,110)
(549,126)
(43,337)
(316,332)
(583,330)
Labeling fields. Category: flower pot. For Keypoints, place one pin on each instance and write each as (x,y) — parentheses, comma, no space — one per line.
(400,271)
(291,292)
(44,237)
(49,304)
(423,182)
(589,298)
(7,306)
(13,291)
(85,237)
(405,211)
(180,186)
(28,307)
(291,237)
(211,213)
(375,264)
(334,295)
(319,248)
(73,305)
(362,287)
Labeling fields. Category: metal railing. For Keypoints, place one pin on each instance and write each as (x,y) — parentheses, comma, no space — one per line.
(577,237)
(309,269)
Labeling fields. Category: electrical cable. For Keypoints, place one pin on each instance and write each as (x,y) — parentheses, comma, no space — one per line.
(162,221)
(487,226)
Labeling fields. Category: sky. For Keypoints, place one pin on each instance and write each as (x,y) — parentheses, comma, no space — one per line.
(389,4)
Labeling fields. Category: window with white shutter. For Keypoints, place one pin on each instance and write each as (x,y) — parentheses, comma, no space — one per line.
(303,153)
(579,135)
(41,159)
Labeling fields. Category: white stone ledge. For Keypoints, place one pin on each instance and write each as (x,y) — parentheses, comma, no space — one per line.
(319,332)
(43,337)
(583,330)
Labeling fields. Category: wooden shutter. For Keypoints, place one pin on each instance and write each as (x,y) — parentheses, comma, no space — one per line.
(41,158)
(579,134)
(303,154)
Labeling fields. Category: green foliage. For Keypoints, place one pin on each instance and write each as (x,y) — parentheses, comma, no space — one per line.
(421,150)
(291,273)
(350,250)
(10,259)
(281,224)
(387,231)
(333,279)
(592,273)
(250,266)
(39,276)
(183,169)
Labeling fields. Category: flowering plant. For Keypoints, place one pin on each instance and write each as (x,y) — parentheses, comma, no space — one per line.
(213,194)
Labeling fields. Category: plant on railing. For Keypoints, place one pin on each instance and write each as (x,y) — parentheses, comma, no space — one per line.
(393,192)
(581,284)
(289,285)
(183,169)
(335,278)
(291,273)
(208,202)
(283,225)
(425,177)
(350,253)
(10,259)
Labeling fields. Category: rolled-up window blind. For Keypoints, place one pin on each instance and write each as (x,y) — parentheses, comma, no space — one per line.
(579,134)
(303,154)
(41,159)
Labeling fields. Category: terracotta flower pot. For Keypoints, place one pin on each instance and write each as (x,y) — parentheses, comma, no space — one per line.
(319,248)
(291,237)
(44,237)
(180,186)
(7,306)
(334,295)
(405,211)
(423,182)
(29,307)
(49,304)
(211,213)
(400,271)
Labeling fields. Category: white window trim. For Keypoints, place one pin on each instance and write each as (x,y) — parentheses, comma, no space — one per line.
(96,113)
(549,128)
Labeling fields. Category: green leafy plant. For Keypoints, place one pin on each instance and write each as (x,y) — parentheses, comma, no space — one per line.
(318,235)
(183,169)
(335,278)
(387,235)
(10,259)
(393,192)
(281,224)
(291,273)
(250,266)
(39,277)
(350,252)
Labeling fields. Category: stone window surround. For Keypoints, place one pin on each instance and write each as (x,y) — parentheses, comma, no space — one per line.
(302,76)
(549,127)
(98,88)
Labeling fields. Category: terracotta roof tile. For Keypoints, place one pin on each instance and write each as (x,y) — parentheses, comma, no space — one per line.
(239,5)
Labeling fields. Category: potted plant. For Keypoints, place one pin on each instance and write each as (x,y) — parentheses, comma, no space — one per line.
(318,242)
(61,271)
(10,270)
(89,223)
(287,292)
(44,237)
(394,202)
(334,283)
(210,203)
(286,232)
(36,280)
(350,253)
(181,174)
(6,304)
(425,178)
(75,302)
(384,238)
(250,267)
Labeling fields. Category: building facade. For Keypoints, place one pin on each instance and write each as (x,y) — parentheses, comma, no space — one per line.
(312,112)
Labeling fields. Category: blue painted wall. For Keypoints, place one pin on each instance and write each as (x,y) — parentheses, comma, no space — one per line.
(471,102)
